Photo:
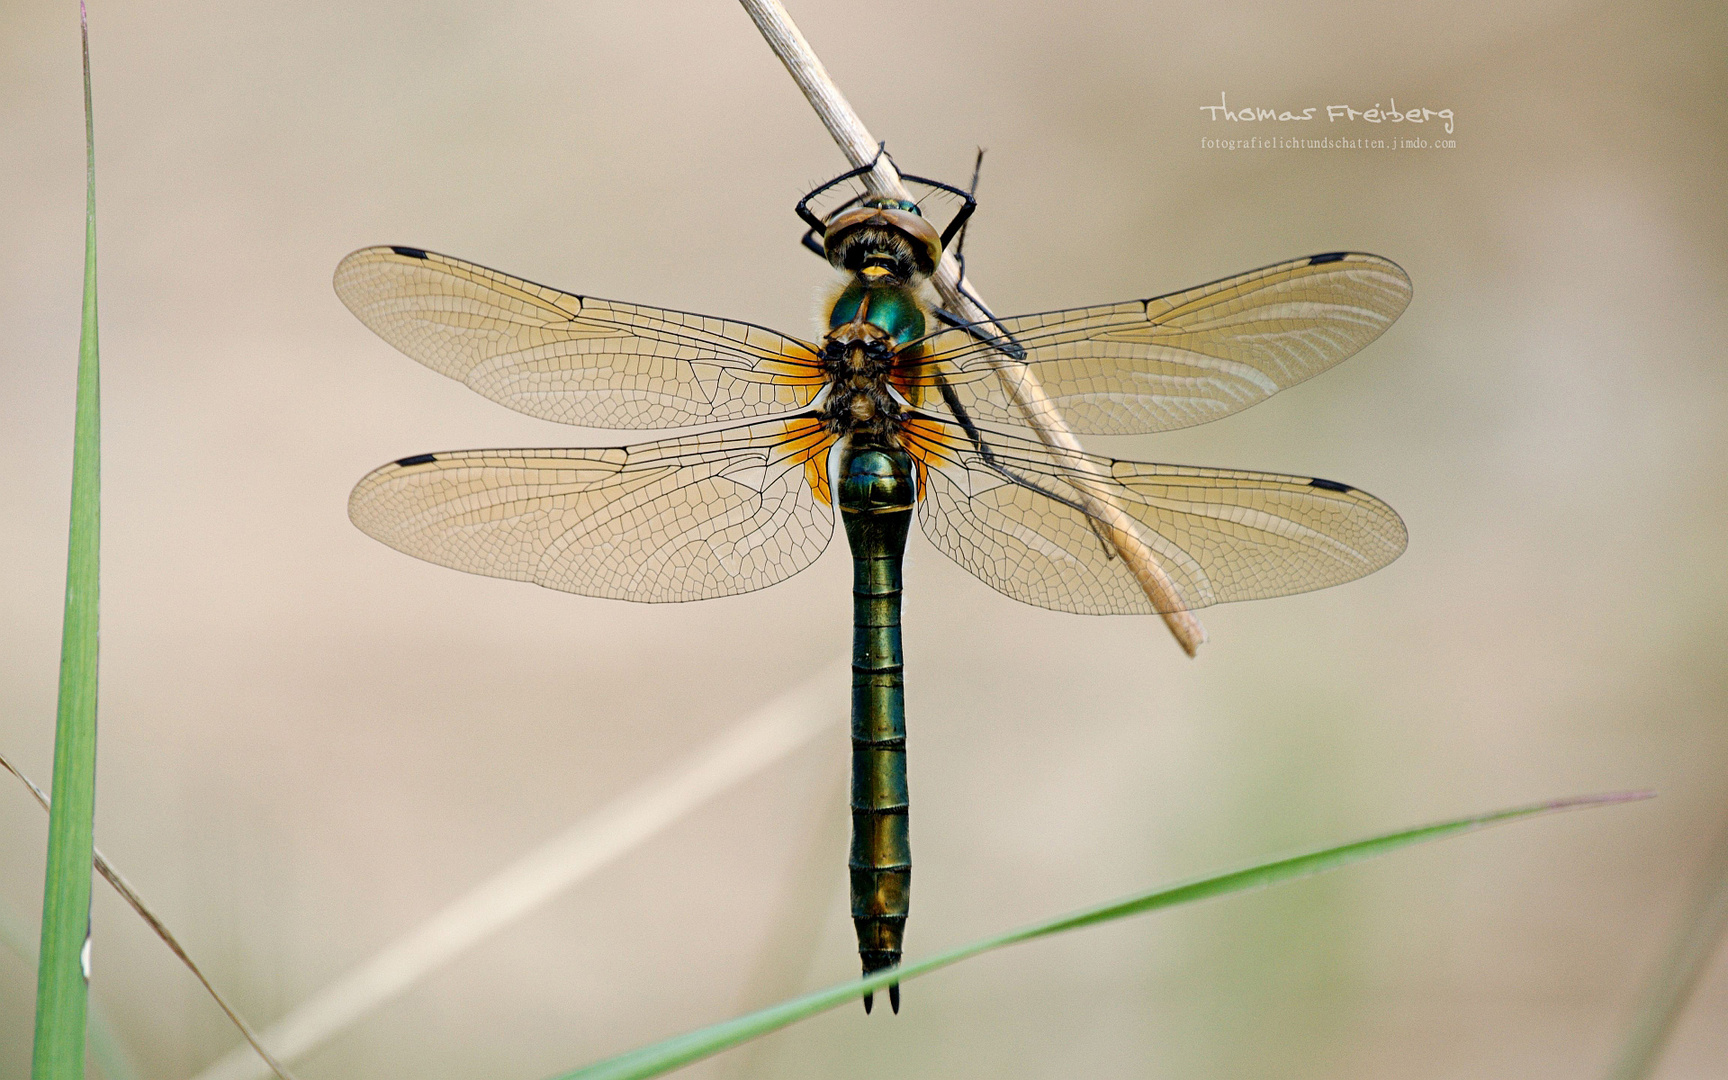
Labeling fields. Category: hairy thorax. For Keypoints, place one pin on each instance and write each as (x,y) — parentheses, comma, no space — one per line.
(869,329)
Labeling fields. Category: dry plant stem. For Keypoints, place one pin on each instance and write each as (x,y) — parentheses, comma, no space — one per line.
(855,141)
(593,842)
(124,888)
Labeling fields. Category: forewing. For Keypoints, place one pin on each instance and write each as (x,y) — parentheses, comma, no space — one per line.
(690,518)
(1181,359)
(574,359)
(1010,512)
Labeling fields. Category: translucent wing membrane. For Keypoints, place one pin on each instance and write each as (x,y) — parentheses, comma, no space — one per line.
(1009,510)
(574,359)
(690,518)
(1182,359)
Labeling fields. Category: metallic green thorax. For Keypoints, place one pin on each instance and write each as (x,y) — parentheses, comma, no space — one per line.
(876,496)
(892,308)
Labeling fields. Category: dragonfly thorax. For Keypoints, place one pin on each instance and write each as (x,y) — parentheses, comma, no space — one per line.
(859,358)
(869,329)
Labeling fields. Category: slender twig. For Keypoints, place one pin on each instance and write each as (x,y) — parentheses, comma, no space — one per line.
(765,737)
(130,895)
(1023,387)
(595,841)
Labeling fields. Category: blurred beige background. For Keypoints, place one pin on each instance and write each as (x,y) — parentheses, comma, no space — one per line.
(311,742)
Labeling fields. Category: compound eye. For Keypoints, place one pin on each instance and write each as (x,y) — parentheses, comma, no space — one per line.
(882,202)
(923,235)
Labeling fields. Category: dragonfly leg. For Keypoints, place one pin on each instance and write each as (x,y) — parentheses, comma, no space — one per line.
(1012,349)
(812,238)
(808,216)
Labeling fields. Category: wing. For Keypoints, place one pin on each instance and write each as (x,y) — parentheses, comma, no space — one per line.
(690,518)
(1010,511)
(1182,359)
(574,359)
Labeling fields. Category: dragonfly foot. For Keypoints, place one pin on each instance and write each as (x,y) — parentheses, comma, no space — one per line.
(869,1000)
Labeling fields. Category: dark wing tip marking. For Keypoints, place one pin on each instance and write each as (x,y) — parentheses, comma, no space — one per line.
(1323,485)
(427,459)
(412,253)
(1330,256)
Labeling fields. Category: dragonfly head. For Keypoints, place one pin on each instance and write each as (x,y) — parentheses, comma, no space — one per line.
(883,242)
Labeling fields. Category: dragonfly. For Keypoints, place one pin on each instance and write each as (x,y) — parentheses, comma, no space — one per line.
(898,410)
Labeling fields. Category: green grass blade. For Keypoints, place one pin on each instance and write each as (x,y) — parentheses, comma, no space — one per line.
(1664,997)
(62,988)
(669,1054)
(133,900)
(109,1053)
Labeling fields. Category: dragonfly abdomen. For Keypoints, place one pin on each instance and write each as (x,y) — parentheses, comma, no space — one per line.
(876,497)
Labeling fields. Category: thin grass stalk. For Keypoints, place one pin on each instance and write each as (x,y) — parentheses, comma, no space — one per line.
(767,736)
(1021,384)
(680,1050)
(1664,997)
(63,974)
